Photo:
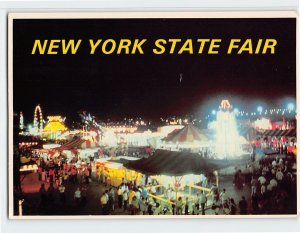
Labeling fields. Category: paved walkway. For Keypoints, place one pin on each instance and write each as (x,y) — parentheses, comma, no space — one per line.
(32,206)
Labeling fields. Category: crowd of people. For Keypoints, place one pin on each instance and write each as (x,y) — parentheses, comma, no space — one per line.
(279,144)
(56,175)
(57,171)
(272,183)
(140,200)
(273,186)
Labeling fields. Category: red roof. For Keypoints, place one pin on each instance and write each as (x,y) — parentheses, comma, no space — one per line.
(76,144)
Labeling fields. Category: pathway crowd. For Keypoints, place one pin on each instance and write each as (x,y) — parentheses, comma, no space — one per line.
(272,183)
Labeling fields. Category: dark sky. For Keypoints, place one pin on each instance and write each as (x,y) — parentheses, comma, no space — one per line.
(149,85)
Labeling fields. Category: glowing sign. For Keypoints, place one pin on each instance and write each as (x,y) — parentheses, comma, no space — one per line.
(225,105)
(55,118)
(55,124)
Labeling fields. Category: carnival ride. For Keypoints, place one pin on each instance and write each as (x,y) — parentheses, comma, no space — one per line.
(38,120)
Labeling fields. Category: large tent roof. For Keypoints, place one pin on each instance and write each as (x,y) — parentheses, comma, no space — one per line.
(189,133)
(174,163)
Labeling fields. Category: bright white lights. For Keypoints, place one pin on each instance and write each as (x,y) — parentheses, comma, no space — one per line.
(38,120)
(263,123)
(236,111)
(213,112)
(227,138)
(21,121)
(260,109)
(290,107)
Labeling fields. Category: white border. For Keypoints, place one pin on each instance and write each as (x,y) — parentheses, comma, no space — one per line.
(223,224)
(147,14)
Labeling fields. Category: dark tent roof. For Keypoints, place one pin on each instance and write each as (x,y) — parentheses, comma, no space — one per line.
(174,163)
(270,132)
(279,132)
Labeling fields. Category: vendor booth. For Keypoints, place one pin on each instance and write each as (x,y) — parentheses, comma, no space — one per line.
(113,172)
(184,172)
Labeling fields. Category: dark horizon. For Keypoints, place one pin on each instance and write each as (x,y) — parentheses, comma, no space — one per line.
(118,86)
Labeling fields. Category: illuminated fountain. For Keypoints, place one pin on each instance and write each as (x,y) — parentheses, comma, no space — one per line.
(227,137)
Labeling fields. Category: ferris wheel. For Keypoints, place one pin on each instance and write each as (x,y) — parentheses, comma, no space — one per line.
(38,119)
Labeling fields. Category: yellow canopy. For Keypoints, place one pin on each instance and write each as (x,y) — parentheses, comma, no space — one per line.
(54,126)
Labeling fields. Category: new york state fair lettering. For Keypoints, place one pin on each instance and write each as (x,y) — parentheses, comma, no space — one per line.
(160,46)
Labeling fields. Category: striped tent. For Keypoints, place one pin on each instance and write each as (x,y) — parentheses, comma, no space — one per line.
(189,133)
(279,132)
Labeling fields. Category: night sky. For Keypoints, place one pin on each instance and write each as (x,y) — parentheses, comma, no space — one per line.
(148,85)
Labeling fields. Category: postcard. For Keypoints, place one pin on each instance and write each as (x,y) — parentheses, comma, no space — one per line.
(152,115)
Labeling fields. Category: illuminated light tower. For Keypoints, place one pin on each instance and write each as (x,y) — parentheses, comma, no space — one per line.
(38,120)
(227,138)
(21,122)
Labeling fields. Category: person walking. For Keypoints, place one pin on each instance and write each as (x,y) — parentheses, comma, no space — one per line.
(216,205)
(186,206)
(143,206)
(51,175)
(103,201)
(243,206)
(87,175)
(144,193)
(224,197)
(254,184)
(226,208)
(203,201)
(62,195)
(44,175)
(77,196)
(74,174)
(120,197)
(111,199)
(84,194)
(197,204)
(131,194)
(51,192)
(43,195)
(125,199)
(135,206)
(179,205)
(232,207)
